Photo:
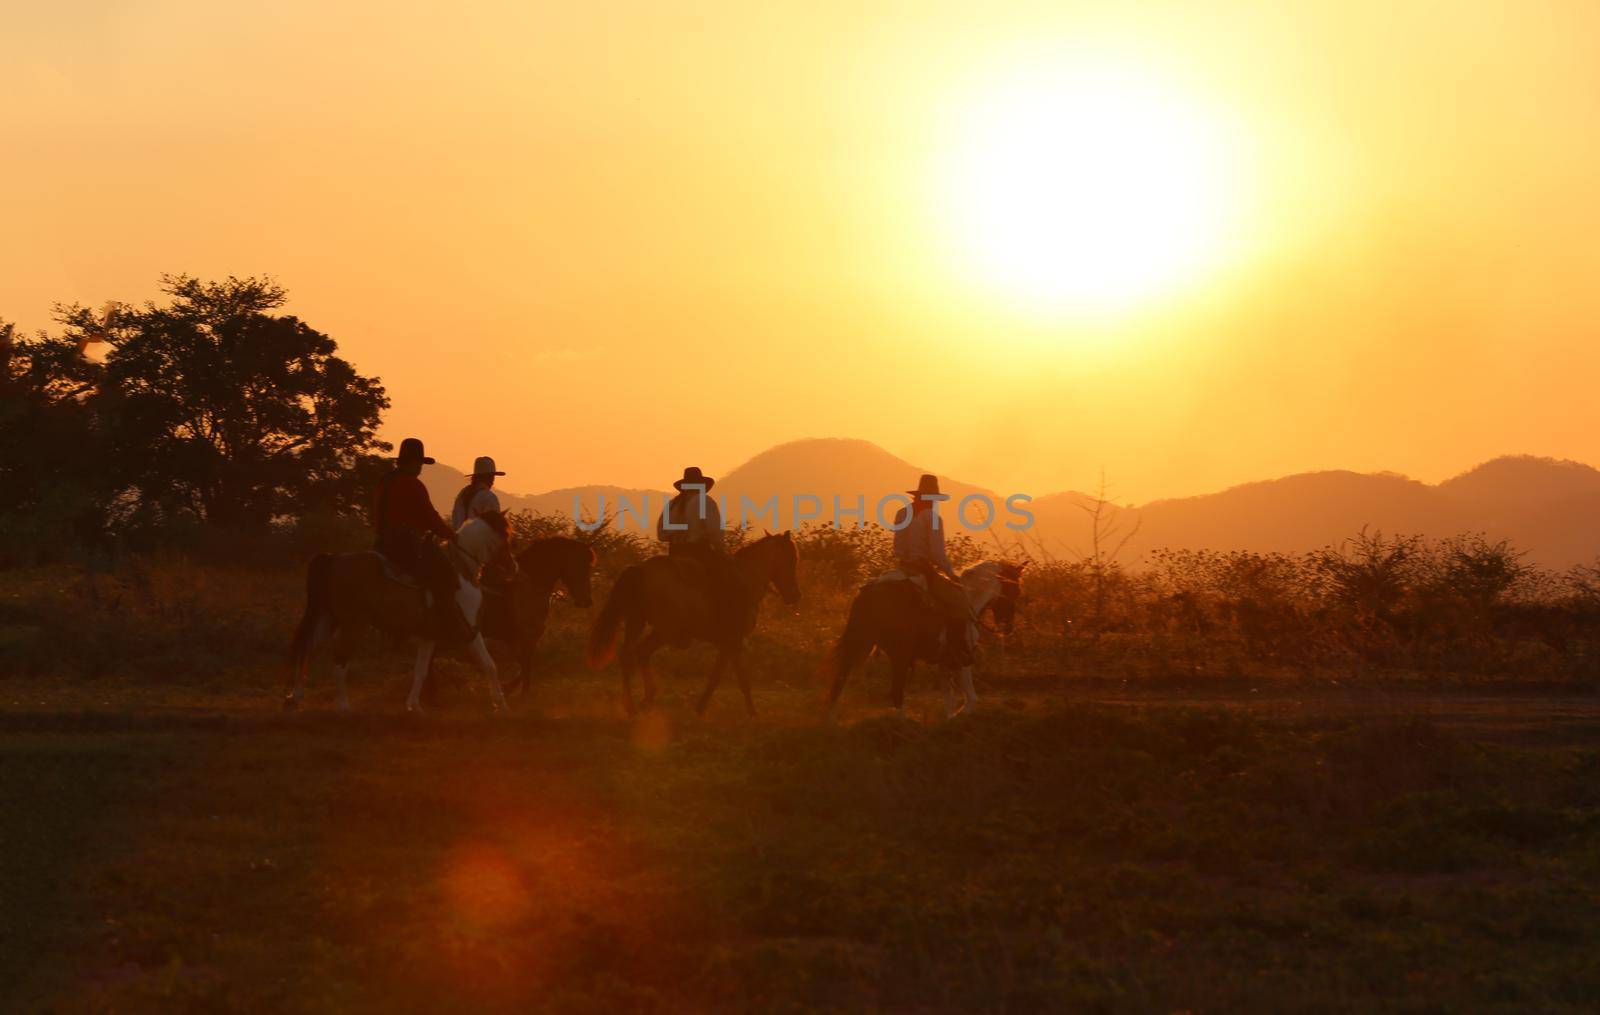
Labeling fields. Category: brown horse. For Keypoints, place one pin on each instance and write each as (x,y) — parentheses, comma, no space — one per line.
(516,614)
(896,618)
(347,593)
(668,596)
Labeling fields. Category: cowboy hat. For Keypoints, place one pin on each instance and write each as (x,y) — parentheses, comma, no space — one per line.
(484,466)
(928,487)
(411,450)
(692,476)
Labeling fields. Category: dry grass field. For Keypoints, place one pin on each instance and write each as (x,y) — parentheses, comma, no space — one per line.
(170,841)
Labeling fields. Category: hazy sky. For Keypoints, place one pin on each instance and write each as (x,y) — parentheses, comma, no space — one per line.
(603,241)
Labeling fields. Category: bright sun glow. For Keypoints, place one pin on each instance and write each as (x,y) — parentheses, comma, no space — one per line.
(1089,190)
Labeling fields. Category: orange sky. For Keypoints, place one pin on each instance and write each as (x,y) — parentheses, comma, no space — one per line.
(604,241)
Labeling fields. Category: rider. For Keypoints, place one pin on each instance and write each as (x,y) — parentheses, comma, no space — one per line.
(405,518)
(476,498)
(919,550)
(691,526)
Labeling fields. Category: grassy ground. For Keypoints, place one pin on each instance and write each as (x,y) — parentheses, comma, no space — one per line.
(178,844)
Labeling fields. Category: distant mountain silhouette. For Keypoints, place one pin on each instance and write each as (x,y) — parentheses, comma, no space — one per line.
(827,467)
(1547,507)
(444,482)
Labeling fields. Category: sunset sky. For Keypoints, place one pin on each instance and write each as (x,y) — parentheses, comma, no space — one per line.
(604,241)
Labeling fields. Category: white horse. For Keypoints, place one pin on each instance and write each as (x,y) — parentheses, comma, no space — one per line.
(349,592)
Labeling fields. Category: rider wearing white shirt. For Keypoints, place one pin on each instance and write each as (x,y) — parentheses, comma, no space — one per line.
(476,498)
(920,551)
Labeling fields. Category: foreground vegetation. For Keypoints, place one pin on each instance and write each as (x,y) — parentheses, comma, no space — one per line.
(1031,857)
(171,842)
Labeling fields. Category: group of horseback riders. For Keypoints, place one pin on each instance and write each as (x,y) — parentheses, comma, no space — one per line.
(411,535)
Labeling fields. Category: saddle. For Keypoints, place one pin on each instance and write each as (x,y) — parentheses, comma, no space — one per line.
(688,568)
(395,573)
(894,574)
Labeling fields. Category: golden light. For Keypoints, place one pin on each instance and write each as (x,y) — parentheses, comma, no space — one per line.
(1088,189)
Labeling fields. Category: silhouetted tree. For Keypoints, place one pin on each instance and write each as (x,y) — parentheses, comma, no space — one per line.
(224,413)
(53,483)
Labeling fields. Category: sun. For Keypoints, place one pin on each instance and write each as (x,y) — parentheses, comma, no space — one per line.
(1087,189)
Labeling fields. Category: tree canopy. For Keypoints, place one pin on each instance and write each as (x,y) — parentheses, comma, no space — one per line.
(209,407)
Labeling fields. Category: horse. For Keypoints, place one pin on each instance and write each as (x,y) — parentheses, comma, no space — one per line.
(516,613)
(894,617)
(657,594)
(347,593)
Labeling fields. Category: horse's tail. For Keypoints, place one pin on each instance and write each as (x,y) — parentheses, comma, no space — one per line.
(603,633)
(853,646)
(318,598)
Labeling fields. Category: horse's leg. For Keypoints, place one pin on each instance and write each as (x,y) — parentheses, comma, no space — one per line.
(950,694)
(424,661)
(712,681)
(430,685)
(842,663)
(627,657)
(743,674)
(643,651)
(480,652)
(323,630)
(530,645)
(897,689)
(341,666)
(967,688)
(524,677)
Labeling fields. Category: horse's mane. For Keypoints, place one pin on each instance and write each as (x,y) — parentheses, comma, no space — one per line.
(982,570)
(785,536)
(496,520)
(552,542)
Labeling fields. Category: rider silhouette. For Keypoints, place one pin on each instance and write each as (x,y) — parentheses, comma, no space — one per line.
(691,526)
(919,550)
(404,518)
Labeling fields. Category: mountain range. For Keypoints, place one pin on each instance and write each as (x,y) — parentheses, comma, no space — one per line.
(1547,507)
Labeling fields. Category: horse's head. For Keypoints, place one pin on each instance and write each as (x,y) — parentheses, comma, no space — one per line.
(554,559)
(783,559)
(1005,604)
(577,564)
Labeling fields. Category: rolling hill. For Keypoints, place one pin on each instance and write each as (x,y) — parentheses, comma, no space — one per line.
(1547,507)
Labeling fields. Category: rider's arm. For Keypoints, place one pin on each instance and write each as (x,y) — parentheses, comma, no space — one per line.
(936,546)
(410,498)
(713,523)
(903,536)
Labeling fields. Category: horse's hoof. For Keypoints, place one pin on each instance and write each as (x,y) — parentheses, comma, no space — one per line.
(415,708)
(291,704)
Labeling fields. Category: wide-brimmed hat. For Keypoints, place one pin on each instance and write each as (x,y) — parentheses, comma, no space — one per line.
(484,466)
(411,451)
(692,476)
(928,487)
